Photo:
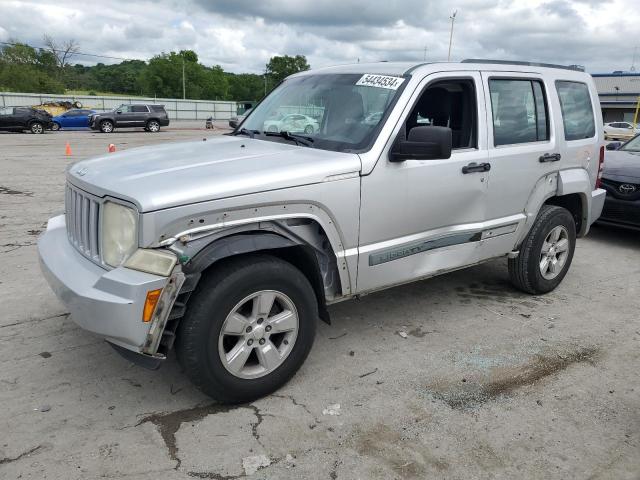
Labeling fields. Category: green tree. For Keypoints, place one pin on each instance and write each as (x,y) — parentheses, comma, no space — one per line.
(25,69)
(246,86)
(279,68)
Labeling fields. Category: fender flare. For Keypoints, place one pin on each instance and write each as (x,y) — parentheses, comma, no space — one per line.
(237,244)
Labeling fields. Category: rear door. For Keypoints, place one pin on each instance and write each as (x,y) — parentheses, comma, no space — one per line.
(139,115)
(523,146)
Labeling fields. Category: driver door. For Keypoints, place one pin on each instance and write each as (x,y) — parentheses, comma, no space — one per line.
(420,217)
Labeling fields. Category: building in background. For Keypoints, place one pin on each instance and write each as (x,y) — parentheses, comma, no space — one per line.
(618,92)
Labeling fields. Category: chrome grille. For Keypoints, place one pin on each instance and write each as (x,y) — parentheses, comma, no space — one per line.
(82,216)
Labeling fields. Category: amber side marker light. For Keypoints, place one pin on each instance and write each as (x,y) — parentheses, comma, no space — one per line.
(150,304)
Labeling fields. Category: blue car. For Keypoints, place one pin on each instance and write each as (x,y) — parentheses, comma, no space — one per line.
(75,118)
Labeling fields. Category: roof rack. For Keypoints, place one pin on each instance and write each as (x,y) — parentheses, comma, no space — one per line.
(578,68)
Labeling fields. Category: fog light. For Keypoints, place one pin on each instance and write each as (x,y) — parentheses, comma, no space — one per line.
(150,304)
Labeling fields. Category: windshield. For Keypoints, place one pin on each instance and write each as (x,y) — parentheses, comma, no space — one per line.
(632,145)
(339,112)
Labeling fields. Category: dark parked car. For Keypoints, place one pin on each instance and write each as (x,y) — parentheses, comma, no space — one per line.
(621,179)
(149,117)
(74,118)
(18,119)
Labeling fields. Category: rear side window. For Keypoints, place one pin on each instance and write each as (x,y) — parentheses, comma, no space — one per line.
(139,109)
(519,111)
(577,111)
(157,108)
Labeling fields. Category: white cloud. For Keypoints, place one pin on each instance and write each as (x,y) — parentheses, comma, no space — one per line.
(242,35)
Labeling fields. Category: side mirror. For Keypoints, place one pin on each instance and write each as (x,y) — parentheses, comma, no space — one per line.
(423,143)
(613,145)
(119,112)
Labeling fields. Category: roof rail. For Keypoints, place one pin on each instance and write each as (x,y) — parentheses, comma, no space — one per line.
(578,68)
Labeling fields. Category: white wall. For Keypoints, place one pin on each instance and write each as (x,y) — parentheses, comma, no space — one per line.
(176,108)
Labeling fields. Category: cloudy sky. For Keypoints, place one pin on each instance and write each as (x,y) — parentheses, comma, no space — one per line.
(241,35)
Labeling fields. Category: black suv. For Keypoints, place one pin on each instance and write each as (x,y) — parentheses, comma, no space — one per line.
(150,117)
(18,119)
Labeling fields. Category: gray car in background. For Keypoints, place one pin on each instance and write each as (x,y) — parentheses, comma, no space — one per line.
(230,250)
(141,115)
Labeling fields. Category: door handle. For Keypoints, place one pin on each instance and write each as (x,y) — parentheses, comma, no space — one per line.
(476,167)
(549,157)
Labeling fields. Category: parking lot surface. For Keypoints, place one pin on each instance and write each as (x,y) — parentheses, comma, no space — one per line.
(459,376)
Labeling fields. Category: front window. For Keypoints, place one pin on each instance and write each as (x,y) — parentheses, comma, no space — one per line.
(339,112)
(632,145)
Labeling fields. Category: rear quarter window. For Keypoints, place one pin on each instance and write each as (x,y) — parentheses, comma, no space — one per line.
(577,110)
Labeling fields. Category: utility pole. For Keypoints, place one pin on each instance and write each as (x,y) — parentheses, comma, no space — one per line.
(425,54)
(265,82)
(453,19)
(184,87)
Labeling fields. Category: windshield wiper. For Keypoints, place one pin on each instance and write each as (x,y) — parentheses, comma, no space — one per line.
(299,139)
(246,131)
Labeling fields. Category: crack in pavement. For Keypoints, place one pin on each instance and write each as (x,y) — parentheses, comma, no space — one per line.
(298,404)
(35,320)
(23,454)
(168,424)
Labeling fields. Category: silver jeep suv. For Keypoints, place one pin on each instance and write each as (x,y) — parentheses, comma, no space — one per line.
(231,249)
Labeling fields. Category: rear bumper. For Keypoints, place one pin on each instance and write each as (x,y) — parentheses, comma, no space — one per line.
(597,204)
(107,303)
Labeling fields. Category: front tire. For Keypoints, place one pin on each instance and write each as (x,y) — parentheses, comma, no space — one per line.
(546,253)
(106,126)
(248,328)
(55,127)
(36,128)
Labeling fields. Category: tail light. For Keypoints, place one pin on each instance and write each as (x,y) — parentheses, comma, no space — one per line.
(600,167)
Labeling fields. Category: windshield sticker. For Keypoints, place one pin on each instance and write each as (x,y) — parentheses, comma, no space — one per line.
(380,81)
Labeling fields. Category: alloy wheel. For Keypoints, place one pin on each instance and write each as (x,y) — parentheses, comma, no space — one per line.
(554,253)
(258,334)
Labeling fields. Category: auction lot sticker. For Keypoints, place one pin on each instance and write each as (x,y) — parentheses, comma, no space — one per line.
(380,81)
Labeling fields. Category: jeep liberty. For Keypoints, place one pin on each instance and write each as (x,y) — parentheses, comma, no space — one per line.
(230,250)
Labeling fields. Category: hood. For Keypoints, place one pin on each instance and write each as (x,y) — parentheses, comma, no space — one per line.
(164,176)
(621,166)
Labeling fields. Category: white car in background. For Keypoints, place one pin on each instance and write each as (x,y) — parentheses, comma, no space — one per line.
(620,131)
(294,122)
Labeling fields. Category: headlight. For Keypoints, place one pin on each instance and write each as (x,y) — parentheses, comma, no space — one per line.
(158,262)
(119,233)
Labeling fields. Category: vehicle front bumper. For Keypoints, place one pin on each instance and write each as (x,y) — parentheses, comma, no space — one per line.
(623,213)
(108,303)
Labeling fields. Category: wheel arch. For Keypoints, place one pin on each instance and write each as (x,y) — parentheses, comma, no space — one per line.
(568,189)
(308,250)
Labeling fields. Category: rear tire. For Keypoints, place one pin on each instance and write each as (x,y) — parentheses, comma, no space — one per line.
(153,126)
(546,253)
(224,302)
(55,127)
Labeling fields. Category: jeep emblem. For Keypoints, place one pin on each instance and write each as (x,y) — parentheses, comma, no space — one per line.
(81,172)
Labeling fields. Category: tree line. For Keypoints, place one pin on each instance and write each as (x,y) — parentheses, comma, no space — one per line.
(50,70)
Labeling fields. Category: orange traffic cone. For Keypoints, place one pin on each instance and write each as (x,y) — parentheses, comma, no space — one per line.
(67,150)
(112,148)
